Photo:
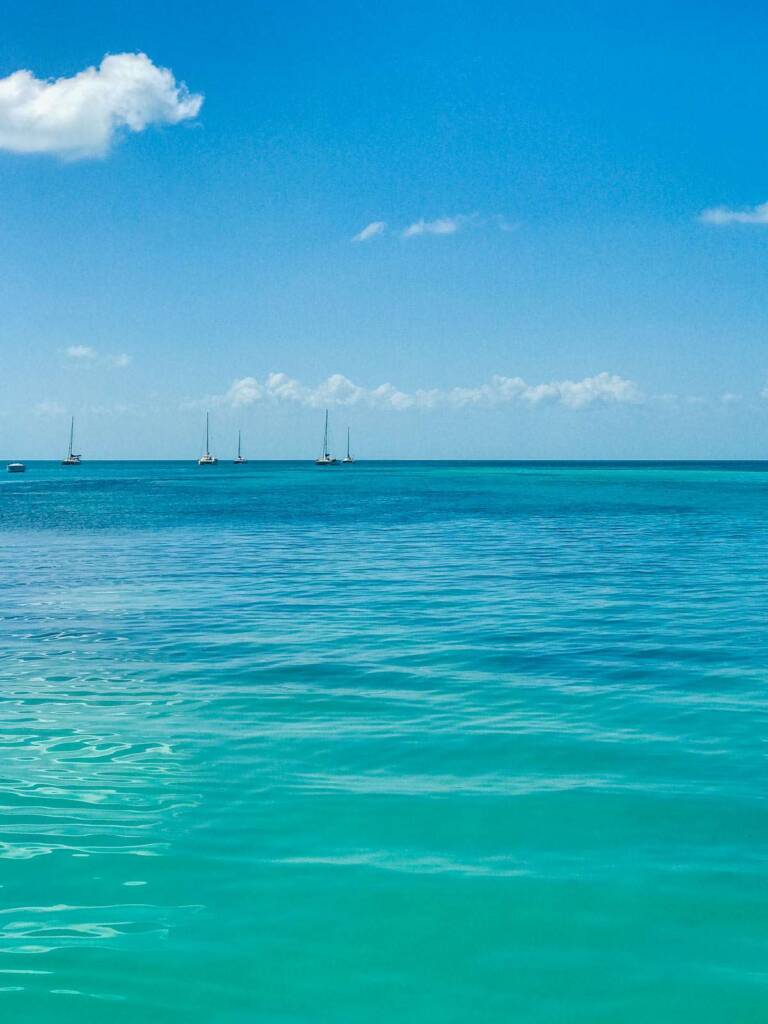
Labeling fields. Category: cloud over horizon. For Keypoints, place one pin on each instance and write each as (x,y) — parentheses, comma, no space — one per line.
(338,390)
(79,117)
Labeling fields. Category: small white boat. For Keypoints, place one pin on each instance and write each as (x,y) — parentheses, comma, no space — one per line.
(347,457)
(72,458)
(240,460)
(16,467)
(207,459)
(326,459)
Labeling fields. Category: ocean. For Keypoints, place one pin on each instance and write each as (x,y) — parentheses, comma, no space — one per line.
(390,742)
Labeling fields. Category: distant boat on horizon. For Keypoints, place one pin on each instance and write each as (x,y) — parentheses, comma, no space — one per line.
(240,460)
(326,459)
(72,459)
(207,459)
(16,467)
(347,457)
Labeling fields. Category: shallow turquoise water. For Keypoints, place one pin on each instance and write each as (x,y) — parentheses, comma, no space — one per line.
(389,742)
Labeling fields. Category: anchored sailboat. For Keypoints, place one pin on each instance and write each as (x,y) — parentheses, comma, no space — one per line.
(347,457)
(326,459)
(72,459)
(207,459)
(240,460)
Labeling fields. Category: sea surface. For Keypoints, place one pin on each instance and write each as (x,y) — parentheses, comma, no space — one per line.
(414,743)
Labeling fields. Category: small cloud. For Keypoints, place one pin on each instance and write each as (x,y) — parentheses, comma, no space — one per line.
(729,397)
(441,226)
(376,227)
(85,353)
(81,352)
(49,409)
(79,117)
(117,409)
(503,224)
(724,215)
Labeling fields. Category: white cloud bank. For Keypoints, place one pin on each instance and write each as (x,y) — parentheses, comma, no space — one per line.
(338,390)
(724,215)
(78,117)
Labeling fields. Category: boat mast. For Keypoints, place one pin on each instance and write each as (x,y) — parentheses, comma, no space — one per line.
(71,435)
(347,442)
(207,452)
(325,437)
(238,444)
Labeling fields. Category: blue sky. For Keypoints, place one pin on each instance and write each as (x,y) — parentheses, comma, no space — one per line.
(569,300)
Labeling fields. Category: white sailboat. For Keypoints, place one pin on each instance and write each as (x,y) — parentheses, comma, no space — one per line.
(240,460)
(326,459)
(207,459)
(72,459)
(347,457)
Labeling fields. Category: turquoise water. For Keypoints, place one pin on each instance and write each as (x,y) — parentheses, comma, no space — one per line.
(388,742)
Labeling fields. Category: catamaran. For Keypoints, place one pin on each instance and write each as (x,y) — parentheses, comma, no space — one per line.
(207,459)
(326,459)
(240,460)
(347,457)
(72,459)
(16,467)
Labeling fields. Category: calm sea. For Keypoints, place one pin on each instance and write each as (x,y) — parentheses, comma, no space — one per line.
(397,742)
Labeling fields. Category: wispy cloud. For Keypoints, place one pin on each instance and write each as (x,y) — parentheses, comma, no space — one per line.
(78,117)
(87,354)
(45,409)
(81,352)
(376,227)
(440,226)
(338,390)
(725,215)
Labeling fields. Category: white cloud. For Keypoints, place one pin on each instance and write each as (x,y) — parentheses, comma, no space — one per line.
(376,227)
(122,360)
(78,117)
(441,226)
(81,352)
(340,391)
(723,215)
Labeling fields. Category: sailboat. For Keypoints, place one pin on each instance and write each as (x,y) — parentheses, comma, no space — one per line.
(72,459)
(207,459)
(240,460)
(347,457)
(326,459)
